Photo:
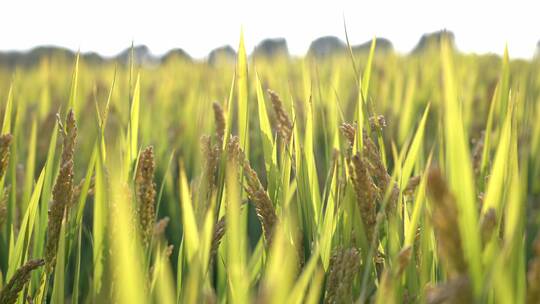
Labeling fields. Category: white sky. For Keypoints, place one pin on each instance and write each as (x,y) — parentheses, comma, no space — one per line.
(198,26)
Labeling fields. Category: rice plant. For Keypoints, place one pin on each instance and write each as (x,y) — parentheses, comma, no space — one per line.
(361,177)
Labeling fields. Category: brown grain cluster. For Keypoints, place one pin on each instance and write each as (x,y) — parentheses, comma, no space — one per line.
(284,123)
(161,226)
(455,291)
(257,194)
(488,223)
(77,190)
(370,179)
(219,232)
(377,123)
(391,276)
(375,164)
(344,266)
(412,185)
(444,218)
(366,193)
(211,154)
(62,191)
(146,191)
(235,155)
(382,179)
(477,152)
(349,131)
(263,205)
(219,117)
(5,141)
(11,290)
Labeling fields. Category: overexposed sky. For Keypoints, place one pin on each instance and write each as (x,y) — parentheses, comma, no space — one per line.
(198,26)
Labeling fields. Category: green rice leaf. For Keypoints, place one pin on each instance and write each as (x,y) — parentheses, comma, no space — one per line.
(459,170)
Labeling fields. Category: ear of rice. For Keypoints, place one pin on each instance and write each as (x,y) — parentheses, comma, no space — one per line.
(11,290)
(146,192)
(219,232)
(344,266)
(256,192)
(62,191)
(444,217)
(284,123)
(366,193)
(219,117)
(211,161)
(5,141)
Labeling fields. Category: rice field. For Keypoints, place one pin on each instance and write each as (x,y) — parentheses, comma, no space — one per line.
(361,177)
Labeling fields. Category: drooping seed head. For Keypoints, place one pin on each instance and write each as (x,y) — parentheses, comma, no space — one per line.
(219,117)
(146,192)
(3,205)
(477,152)
(261,200)
(444,217)
(10,293)
(5,141)
(382,179)
(169,251)
(62,195)
(256,192)
(78,189)
(344,266)
(404,258)
(161,226)
(349,131)
(412,185)
(234,152)
(366,193)
(284,123)
(211,161)
(488,223)
(377,123)
(69,131)
(456,291)
(219,232)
